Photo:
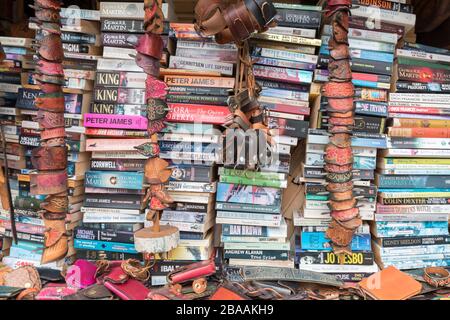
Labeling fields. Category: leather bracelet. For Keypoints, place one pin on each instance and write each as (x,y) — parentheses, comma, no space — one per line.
(155,88)
(436,276)
(50,68)
(157,109)
(338,89)
(47,15)
(49,158)
(48,120)
(344,215)
(149,64)
(50,48)
(48,4)
(151,45)
(53,79)
(48,183)
(48,134)
(49,87)
(340,105)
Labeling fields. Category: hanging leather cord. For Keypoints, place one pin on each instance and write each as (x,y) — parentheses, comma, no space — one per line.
(12,215)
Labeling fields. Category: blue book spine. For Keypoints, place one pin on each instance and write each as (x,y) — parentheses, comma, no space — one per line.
(104,245)
(413,190)
(364,163)
(114,179)
(367,142)
(177,146)
(371,108)
(365,84)
(15,50)
(410,182)
(364,54)
(318,241)
(236,193)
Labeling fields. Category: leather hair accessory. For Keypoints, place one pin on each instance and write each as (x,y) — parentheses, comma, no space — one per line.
(151,45)
(50,68)
(339,70)
(158,191)
(54,142)
(148,64)
(148,149)
(154,24)
(345,215)
(341,121)
(338,90)
(50,48)
(56,204)
(338,156)
(157,109)
(337,105)
(195,272)
(48,4)
(339,51)
(156,171)
(46,15)
(155,126)
(339,177)
(338,234)
(341,196)
(49,158)
(436,276)
(48,120)
(48,182)
(339,187)
(333,168)
(342,205)
(48,87)
(47,134)
(155,88)
(48,27)
(52,79)
(339,129)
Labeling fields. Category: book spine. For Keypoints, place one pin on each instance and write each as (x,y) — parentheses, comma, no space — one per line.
(198,113)
(413,241)
(286,55)
(254,231)
(387,217)
(282,74)
(104,245)
(120,79)
(279,62)
(402,209)
(422,74)
(417,87)
(122,25)
(419,132)
(187,186)
(191,173)
(104,255)
(84,233)
(256,182)
(177,62)
(256,254)
(94,217)
(247,207)
(93,120)
(193,81)
(390,16)
(330,258)
(116,202)
(418,100)
(386,5)
(119,95)
(197,99)
(421,55)
(117,109)
(318,241)
(413,123)
(184,90)
(414,201)
(111,179)
(123,10)
(298,18)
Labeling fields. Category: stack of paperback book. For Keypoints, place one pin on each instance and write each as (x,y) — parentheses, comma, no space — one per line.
(116,126)
(411,228)
(12,76)
(198,83)
(254,230)
(372,60)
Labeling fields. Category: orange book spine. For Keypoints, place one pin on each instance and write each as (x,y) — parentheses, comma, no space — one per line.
(419,132)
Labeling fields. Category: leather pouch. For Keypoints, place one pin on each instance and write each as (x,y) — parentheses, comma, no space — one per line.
(192,271)
(155,88)
(94,292)
(26,277)
(9,292)
(81,274)
(227,291)
(50,275)
(390,284)
(54,293)
(130,290)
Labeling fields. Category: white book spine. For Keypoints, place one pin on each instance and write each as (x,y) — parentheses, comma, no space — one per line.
(421,55)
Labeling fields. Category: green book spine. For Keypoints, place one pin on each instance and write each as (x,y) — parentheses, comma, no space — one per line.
(253,182)
(422,63)
(251,174)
